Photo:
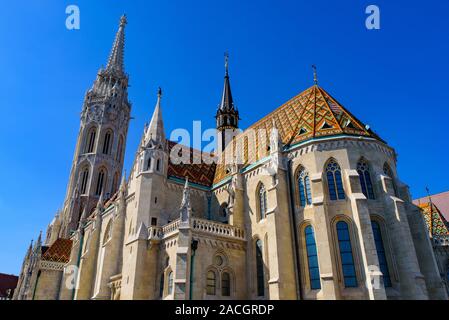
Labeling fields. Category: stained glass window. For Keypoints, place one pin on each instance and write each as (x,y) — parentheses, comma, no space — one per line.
(347,259)
(334,181)
(211,283)
(365,179)
(381,253)
(262,201)
(225,284)
(312,259)
(305,194)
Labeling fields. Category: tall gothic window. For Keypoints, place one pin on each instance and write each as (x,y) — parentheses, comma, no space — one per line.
(305,195)
(107,142)
(158,165)
(260,269)
(90,145)
(381,253)
(149,164)
(347,259)
(365,179)
(84,178)
(334,182)
(211,283)
(100,181)
(312,258)
(225,284)
(388,172)
(170,283)
(262,201)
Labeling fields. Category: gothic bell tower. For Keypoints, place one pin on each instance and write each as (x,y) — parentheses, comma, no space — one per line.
(227,116)
(99,154)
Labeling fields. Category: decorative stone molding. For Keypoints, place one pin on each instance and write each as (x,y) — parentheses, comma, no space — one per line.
(50,265)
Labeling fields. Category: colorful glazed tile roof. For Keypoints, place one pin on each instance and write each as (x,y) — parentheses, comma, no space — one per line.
(312,114)
(441,200)
(59,251)
(201,174)
(435,221)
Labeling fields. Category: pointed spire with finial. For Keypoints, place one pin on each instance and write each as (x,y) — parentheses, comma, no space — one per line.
(115,62)
(315,75)
(155,130)
(227,102)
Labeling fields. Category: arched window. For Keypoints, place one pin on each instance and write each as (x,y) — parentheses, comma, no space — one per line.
(388,172)
(305,194)
(365,179)
(84,178)
(107,142)
(100,181)
(347,259)
(158,164)
(381,253)
(90,143)
(211,283)
(149,164)
(170,283)
(334,181)
(312,258)
(225,284)
(262,201)
(260,269)
(119,149)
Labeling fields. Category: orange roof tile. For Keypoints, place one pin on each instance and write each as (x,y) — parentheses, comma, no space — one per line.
(311,114)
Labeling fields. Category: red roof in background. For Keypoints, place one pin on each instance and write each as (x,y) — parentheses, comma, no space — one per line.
(7,281)
(441,200)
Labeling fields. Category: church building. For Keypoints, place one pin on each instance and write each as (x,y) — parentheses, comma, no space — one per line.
(306,203)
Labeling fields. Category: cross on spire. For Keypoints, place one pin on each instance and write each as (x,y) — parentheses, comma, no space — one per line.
(315,75)
(226,56)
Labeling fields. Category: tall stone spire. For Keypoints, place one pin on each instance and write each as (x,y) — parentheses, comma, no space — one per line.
(155,130)
(115,62)
(227,103)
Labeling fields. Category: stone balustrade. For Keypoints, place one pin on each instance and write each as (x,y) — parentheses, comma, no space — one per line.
(217,228)
(200,225)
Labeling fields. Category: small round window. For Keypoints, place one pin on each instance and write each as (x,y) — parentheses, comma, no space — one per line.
(218,260)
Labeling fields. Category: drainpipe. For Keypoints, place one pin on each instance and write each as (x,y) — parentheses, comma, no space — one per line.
(291,208)
(194,246)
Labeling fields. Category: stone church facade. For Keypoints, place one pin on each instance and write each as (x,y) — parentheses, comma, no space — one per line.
(304,204)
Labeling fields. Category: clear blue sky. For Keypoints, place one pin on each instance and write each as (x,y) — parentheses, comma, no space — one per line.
(394,79)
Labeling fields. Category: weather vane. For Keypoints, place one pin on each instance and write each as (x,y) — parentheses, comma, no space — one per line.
(226,55)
